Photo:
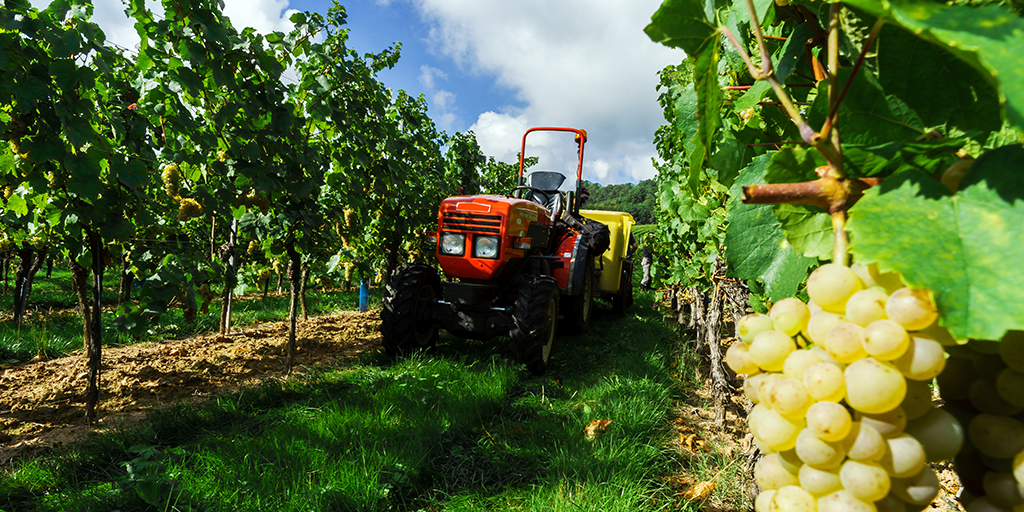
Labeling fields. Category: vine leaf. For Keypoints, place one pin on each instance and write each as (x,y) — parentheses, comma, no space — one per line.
(989,39)
(755,244)
(793,51)
(808,228)
(867,115)
(927,156)
(942,90)
(965,247)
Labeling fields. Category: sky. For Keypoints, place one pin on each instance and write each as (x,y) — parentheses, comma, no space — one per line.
(498,67)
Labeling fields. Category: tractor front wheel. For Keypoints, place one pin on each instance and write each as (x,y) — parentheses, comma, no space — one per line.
(405,322)
(534,321)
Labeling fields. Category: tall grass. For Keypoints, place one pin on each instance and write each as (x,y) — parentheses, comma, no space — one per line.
(459,428)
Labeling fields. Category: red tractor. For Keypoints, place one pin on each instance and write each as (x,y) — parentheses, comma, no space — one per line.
(516,266)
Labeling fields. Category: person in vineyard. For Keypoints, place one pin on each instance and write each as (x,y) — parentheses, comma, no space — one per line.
(646,261)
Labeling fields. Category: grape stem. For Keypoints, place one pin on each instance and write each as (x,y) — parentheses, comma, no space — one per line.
(828,193)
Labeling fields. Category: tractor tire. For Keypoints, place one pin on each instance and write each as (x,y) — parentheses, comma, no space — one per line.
(534,321)
(624,299)
(404,326)
(581,307)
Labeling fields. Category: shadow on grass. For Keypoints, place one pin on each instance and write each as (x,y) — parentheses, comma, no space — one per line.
(458,428)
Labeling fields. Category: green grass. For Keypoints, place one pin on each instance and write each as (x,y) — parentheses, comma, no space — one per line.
(459,428)
(54,329)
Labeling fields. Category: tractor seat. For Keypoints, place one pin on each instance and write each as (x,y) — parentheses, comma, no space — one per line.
(548,182)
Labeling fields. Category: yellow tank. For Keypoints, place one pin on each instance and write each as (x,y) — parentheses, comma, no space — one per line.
(619,224)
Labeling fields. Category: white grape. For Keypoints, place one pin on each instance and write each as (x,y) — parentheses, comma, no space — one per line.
(826,382)
(763,499)
(1010,386)
(752,325)
(819,482)
(939,432)
(789,398)
(770,474)
(764,388)
(919,489)
(885,340)
(817,453)
(865,480)
(904,458)
(739,360)
(831,285)
(843,501)
(770,348)
(872,277)
(864,443)
(790,316)
(985,397)
(750,386)
(918,400)
(1002,489)
(996,436)
(866,306)
(1018,467)
(821,323)
(891,503)
(939,334)
(912,308)
(874,386)
(923,359)
(797,363)
(845,342)
(792,498)
(775,430)
(983,504)
(889,424)
(829,421)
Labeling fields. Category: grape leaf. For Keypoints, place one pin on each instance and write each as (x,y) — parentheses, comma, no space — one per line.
(965,247)
(943,90)
(793,51)
(885,159)
(867,115)
(681,24)
(808,228)
(987,38)
(755,244)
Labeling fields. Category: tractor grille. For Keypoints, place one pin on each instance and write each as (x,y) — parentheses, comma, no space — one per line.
(473,222)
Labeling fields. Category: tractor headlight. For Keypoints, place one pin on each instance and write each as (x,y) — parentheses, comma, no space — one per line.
(486,246)
(453,244)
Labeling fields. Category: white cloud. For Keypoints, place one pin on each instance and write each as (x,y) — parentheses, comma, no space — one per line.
(429,75)
(263,15)
(443,99)
(579,63)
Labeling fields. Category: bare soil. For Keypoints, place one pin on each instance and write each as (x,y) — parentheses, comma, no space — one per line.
(42,403)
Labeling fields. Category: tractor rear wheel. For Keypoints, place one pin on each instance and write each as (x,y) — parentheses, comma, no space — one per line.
(405,323)
(534,321)
(581,307)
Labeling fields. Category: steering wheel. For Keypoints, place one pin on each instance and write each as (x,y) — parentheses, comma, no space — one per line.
(527,187)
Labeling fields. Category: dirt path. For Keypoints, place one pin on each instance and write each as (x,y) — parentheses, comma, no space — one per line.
(42,405)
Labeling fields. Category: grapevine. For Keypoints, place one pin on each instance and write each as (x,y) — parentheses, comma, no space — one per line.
(841,383)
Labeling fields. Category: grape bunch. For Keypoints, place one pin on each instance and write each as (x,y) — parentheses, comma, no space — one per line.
(188,208)
(171,178)
(843,403)
(983,386)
